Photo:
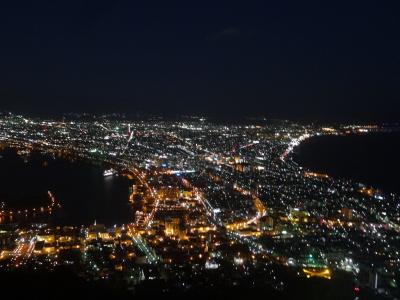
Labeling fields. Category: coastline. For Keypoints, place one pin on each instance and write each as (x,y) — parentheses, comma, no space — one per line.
(342,172)
(92,196)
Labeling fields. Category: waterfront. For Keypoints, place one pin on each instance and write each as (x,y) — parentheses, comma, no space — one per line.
(208,198)
(79,186)
(372,159)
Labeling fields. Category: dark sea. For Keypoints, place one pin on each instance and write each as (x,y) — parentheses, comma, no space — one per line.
(83,192)
(372,159)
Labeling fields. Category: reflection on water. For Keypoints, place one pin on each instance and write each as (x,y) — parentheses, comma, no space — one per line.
(20,212)
(80,187)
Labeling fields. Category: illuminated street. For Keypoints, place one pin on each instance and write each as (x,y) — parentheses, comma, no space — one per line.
(207,196)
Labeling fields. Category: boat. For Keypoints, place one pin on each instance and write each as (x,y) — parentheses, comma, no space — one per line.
(109,172)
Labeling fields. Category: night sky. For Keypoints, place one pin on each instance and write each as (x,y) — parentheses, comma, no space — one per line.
(301,60)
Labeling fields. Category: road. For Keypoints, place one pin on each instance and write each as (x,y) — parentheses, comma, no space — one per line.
(23,251)
(142,245)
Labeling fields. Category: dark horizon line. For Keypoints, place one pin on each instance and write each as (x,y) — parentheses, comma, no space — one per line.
(230,118)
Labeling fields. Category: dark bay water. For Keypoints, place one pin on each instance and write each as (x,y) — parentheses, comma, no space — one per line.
(85,195)
(373,159)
